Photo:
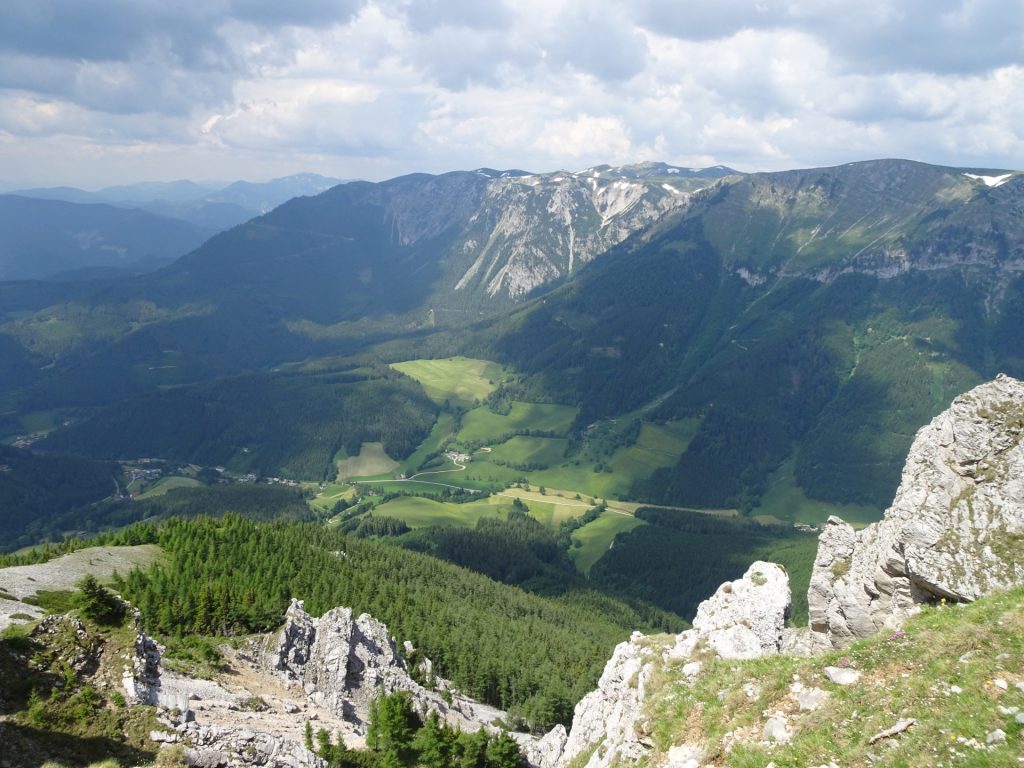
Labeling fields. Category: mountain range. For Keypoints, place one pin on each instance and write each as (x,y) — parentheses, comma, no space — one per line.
(806,322)
(211,206)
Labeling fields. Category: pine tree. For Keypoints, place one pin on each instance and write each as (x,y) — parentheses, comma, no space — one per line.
(432,743)
(503,752)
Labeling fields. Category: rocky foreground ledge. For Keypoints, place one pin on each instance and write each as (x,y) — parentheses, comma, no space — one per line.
(955,532)
(327,670)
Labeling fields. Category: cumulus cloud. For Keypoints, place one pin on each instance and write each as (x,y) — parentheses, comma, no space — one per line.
(380,87)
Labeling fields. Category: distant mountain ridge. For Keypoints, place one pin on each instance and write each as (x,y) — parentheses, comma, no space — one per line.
(209,206)
(48,238)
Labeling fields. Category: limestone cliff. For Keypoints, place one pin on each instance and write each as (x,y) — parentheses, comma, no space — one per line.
(953,533)
(342,662)
(954,530)
(744,619)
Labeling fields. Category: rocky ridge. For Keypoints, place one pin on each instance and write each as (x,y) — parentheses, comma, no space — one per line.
(325,670)
(744,619)
(953,534)
(342,662)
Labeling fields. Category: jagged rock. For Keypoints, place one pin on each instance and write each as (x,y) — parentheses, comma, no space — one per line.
(607,716)
(141,678)
(745,618)
(546,751)
(343,662)
(207,758)
(952,532)
(215,746)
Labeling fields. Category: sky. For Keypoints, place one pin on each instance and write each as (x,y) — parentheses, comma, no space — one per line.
(98,92)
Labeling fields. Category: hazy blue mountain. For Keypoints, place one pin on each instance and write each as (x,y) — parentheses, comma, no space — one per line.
(40,239)
(214,208)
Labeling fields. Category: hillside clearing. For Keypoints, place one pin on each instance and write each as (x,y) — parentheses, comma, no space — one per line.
(64,572)
(590,542)
(461,380)
(371,461)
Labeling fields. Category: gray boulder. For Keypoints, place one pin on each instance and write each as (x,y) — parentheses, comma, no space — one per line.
(953,531)
(745,618)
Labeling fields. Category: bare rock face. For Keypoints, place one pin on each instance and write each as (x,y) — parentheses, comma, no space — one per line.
(606,717)
(219,747)
(344,662)
(954,531)
(744,619)
(141,677)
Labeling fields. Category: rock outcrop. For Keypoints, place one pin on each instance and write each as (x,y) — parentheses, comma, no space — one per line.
(954,530)
(744,619)
(141,677)
(342,662)
(222,746)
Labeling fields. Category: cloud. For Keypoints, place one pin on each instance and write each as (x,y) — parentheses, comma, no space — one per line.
(382,87)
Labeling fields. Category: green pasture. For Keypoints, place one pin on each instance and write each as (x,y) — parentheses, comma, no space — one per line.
(526,450)
(371,461)
(459,380)
(786,500)
(441,430)
(40,421)
(482,425)
(592,540)
(165,484)
(331,495)
(418,512)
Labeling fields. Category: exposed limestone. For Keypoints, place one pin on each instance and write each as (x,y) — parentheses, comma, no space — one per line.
(141,677)
(342,663)
(545,751)
(221,746)
(953,532)
(744,619)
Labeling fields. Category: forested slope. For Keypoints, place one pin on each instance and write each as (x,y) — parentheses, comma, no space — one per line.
(530,655)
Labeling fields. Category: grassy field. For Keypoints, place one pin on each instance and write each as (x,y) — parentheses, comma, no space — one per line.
(165,484)
(422,513)
(370,462)
(527,450)
(481,425)
(785,500)
(460,380)
(419,512)
(40,421)
(441,430)
(592,540)
(331,495)
(949,670)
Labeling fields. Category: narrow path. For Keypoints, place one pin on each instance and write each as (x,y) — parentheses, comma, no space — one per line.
(460,468)
(545,500)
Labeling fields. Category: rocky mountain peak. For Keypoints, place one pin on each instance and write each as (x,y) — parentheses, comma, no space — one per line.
(953,531)
(744,619)
(342,662)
